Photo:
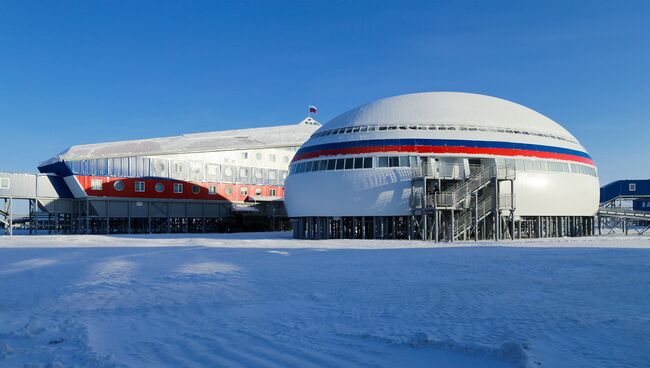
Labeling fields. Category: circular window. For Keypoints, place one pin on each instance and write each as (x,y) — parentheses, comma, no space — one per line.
(228,171)
(229,190)
(119,185)
(258,174)
(196,189)
(285,159)
(258,191)
(159,187)
(258,156)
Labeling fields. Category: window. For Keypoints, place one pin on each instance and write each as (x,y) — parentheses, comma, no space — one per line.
(272,192)
(243,172)
(258,191)
(382,161)
(272,157)
(367,163)
(213,170)
(244,155)
(258,156)
(331,164)
(285,159)
(322,165)
(358,163)
(139,186)
(393,161)
(159,187)
(212,189)
(243,191)
(404,161)
(196,189)
(96,184)
(228,190)
(632,187)
(4,183)
(178,187)
(349,163)
(119,185)
(340,163)
(178,167)
(413,160)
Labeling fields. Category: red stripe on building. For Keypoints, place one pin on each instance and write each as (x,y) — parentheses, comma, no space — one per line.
(222,194)
(511,152)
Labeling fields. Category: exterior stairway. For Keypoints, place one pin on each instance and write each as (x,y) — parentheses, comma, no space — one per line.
(464,224)
(459,195)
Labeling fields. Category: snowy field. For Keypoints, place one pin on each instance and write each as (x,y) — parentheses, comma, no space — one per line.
(264,300)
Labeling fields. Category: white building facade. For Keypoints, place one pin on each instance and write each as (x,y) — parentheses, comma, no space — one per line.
(441,166)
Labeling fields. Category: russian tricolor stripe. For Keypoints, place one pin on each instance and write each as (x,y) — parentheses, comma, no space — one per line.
(443,146)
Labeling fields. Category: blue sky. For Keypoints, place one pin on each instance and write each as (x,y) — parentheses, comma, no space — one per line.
(75,72)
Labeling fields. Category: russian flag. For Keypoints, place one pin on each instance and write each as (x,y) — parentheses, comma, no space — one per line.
(312,109)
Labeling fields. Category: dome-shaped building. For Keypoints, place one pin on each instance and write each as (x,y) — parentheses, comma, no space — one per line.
(441,166)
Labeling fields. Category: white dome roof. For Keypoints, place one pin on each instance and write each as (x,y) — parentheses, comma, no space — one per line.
(452,108)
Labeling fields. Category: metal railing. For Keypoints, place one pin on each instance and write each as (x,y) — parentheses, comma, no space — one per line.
(452,197)
(461,190)
(623,212)
(443,171)
(465,221)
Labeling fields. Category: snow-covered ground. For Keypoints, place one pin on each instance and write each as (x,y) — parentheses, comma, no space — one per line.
(265,300)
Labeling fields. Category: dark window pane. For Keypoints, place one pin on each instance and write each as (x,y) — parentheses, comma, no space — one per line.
(314,166)
(358,163)
(349,162)
(331,164)
(393,161)
(322,165)
(340,164)
(367,163)
(382,161)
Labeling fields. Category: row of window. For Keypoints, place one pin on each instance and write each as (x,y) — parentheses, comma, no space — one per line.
(372,128)
(259,157)
(353,163)
(547,165)
(187,170)
(118,185)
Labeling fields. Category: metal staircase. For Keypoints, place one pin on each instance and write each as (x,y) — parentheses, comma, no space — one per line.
(468,198)
(458,196)
(467,222)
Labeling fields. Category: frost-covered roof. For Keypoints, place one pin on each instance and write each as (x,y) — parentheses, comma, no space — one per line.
(256,138)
